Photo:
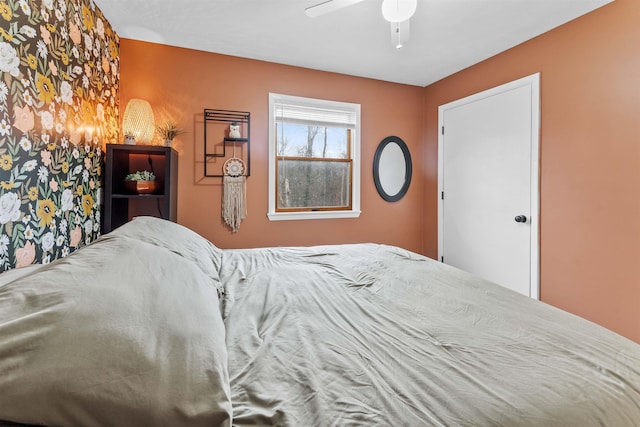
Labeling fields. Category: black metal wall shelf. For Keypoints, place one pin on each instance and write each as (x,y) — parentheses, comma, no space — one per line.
(225,117)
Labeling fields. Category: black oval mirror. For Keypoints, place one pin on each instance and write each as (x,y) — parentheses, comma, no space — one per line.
(392,169)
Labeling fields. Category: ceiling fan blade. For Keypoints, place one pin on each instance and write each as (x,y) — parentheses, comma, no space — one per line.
(399,33)
(328,6)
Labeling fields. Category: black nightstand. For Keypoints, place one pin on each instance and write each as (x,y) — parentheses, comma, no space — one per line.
(119,204)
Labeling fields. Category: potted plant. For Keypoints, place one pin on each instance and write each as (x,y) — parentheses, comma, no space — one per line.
(141,182)
(168,131)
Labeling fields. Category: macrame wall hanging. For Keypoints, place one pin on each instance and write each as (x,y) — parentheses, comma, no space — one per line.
(234,191)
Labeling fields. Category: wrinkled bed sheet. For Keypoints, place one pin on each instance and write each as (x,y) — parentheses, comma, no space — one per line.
(376,335)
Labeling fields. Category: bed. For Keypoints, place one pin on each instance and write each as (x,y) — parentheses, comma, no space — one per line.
(154,325)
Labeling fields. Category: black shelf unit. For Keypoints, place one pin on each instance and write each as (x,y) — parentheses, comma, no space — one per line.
(119,205)
(226,117)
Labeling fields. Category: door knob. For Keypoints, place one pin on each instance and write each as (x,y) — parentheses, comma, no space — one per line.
(521,218)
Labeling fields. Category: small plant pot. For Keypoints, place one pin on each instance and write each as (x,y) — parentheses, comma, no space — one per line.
(143,187)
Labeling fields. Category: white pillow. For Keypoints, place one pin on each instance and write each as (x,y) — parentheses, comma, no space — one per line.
(177,238)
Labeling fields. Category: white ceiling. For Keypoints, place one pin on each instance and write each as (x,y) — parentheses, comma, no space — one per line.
(446,35)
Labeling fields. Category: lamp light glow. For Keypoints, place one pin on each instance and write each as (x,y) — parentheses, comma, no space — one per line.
(138,123)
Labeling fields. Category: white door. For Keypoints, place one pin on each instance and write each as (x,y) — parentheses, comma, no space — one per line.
(488,181)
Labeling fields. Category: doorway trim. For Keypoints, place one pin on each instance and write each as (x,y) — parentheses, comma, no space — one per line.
(533,81)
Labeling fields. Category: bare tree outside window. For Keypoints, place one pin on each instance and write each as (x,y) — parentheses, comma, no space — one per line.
(313,169)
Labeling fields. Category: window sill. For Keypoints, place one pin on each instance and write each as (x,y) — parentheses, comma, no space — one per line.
(286,216)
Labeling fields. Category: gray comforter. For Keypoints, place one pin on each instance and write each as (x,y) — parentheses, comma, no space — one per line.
(376,335)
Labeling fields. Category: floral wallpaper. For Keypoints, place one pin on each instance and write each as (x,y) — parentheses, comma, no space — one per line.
(59,77)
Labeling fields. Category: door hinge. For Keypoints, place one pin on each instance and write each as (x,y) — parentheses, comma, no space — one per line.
(442,130)
(442,195)
(442,259)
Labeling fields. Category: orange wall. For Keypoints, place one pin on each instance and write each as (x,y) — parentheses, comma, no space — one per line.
(180,83)
(590,159)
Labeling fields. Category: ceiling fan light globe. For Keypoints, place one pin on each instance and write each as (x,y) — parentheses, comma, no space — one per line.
(398,10)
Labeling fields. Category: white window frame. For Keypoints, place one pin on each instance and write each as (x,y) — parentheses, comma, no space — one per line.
(354,212)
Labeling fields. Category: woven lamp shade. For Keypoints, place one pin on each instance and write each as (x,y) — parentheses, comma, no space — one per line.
(138,120)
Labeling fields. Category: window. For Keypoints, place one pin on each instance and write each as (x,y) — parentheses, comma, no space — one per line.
(314,163)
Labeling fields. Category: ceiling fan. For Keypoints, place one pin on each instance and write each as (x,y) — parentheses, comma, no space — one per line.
(397,12)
